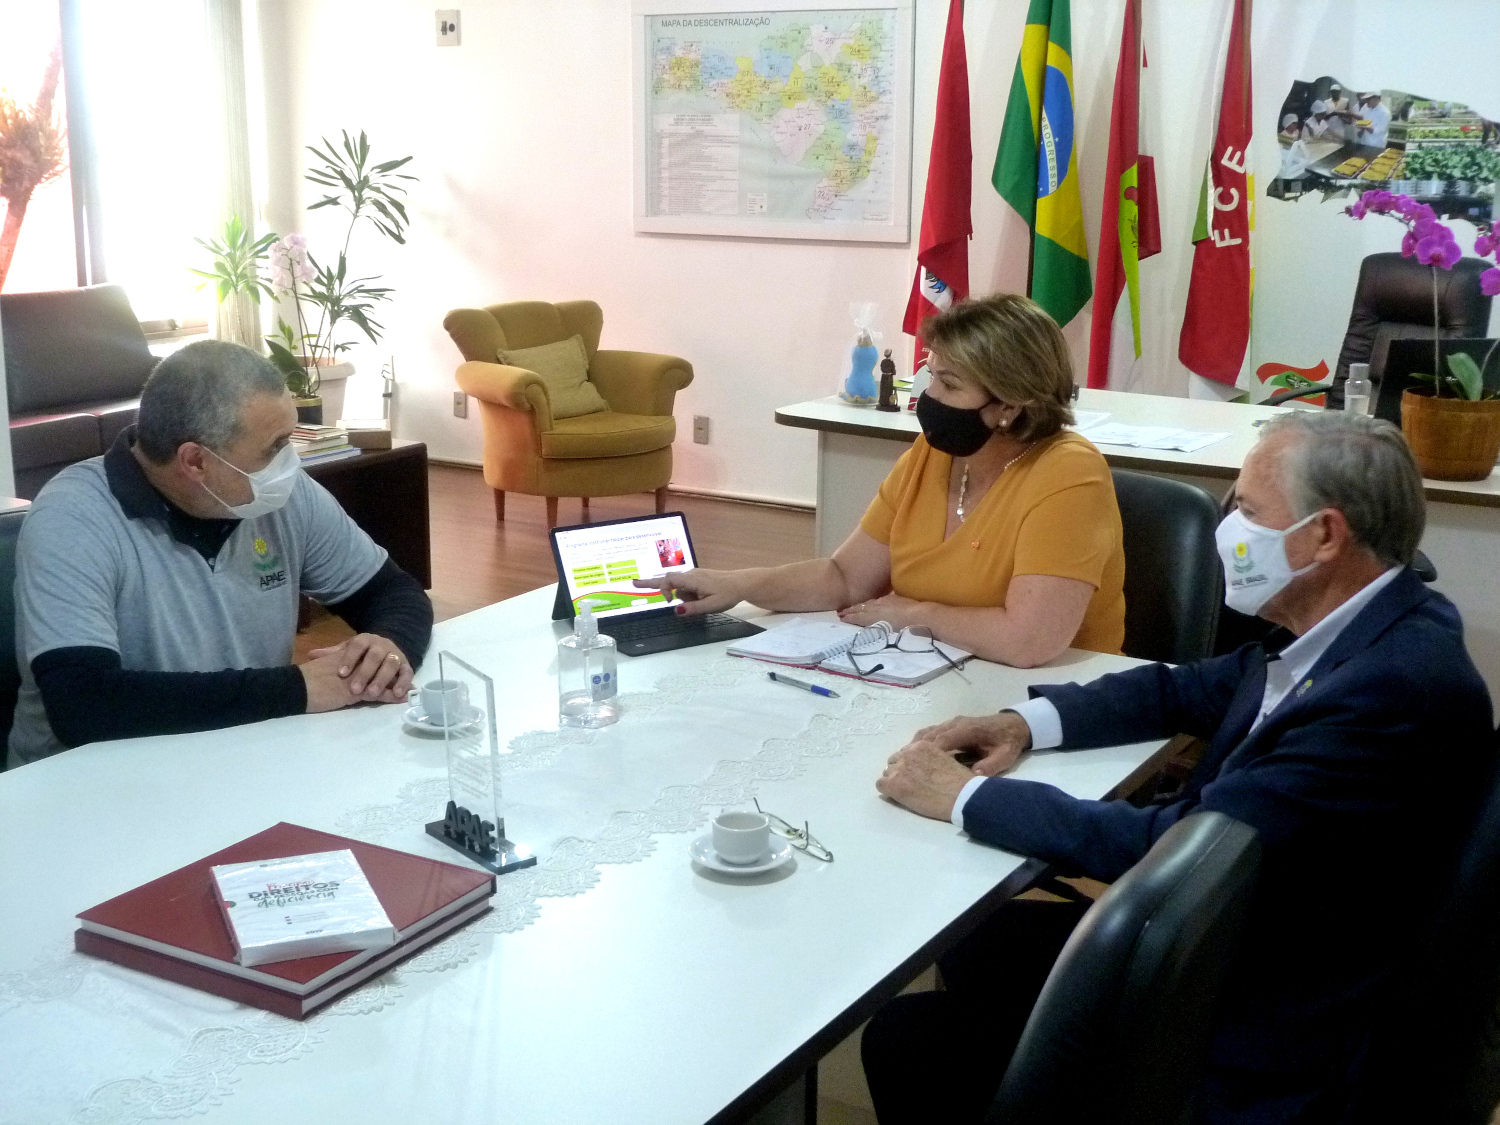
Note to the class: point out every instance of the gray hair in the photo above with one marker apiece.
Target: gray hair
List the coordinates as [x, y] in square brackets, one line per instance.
[197, 394]
[1361, 466]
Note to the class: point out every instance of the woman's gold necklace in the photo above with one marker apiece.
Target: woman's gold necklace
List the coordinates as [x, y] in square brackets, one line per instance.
[963, 483]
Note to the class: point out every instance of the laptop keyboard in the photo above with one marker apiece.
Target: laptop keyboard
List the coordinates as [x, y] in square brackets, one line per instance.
[660, 626]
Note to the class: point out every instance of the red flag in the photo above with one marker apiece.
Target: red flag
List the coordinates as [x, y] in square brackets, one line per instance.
[1216, 328]
[1129, 229]
[943, 248]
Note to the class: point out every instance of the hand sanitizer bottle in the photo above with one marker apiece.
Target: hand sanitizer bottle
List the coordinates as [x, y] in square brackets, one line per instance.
[1357, 389]
[586, 683]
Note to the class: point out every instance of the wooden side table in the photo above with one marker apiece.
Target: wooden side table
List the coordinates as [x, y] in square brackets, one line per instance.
[385, 492]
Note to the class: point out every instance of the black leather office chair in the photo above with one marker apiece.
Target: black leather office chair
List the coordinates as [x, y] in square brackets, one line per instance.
[1118, 1033]
[1393, 301]
[1434, 1053]
[1173, 581]
[10, 673]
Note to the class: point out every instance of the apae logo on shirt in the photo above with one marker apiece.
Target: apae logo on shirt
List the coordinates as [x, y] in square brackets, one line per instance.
[268, 566]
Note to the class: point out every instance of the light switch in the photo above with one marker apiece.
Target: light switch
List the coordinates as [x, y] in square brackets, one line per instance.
[447, 27]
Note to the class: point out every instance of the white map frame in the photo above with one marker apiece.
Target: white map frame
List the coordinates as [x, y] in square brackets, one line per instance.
[898, 230]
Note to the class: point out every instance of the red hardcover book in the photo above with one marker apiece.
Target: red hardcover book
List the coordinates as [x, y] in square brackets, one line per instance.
[172, 926]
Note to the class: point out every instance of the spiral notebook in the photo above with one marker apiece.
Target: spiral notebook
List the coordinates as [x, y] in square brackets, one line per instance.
[801, 643]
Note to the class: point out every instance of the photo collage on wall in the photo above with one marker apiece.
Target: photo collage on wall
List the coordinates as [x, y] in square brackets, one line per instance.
[1339, 141]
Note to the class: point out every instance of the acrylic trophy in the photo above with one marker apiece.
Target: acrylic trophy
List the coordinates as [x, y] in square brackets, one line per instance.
[472, 823]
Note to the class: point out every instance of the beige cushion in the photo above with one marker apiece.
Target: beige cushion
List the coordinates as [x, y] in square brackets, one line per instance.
[564, 367]
[608, 435]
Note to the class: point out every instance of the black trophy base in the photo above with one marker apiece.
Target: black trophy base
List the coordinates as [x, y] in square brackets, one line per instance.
[505, 858]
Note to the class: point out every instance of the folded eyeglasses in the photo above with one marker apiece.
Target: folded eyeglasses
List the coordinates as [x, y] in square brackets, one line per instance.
[880, 637]
[799, 838]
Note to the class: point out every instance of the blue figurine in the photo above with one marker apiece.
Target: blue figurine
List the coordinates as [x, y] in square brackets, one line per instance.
[859, 387]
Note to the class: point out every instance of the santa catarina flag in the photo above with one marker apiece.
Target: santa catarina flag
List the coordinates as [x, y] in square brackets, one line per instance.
[943, 248]
[1036, 165]
[1130, 229]
[1216, 328]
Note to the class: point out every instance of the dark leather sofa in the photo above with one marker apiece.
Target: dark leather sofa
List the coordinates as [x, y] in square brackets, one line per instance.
[75, 362]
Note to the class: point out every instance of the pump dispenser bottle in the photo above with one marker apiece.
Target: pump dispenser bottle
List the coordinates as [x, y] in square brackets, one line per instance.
[586, 683]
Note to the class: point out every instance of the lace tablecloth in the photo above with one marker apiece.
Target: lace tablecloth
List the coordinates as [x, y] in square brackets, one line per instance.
[85, 1041]
[176, 1051]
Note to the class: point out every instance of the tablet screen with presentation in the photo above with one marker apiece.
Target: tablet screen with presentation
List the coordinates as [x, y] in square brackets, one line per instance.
[601, 561]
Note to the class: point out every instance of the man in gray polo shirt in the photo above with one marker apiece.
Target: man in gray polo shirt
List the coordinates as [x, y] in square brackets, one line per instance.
[157, 586]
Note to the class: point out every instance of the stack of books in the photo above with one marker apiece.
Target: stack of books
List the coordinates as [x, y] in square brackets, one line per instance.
[175, 927]
[318, 444]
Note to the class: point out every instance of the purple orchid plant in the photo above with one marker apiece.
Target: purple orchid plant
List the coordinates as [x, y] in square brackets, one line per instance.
[1432, 244]
[1487, 245]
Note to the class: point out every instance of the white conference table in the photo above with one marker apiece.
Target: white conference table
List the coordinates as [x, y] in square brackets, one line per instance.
[616, 981]
[857, 446]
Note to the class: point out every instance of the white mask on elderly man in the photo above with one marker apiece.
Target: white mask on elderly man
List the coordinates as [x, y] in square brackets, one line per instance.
[270, 487]
[1256, 568]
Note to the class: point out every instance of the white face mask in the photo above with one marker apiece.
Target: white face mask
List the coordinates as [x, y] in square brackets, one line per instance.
[1255, 563]
[270, 487]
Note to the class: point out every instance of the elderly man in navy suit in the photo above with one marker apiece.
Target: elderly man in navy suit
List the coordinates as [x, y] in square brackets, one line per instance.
[1358, 751]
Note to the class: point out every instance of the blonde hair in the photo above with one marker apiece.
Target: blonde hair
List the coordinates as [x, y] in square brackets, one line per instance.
[1014, 350]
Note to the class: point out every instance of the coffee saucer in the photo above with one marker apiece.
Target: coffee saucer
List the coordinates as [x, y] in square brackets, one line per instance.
[416, 717]
[702, 851]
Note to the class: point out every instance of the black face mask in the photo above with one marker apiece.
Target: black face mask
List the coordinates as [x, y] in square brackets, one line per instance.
[951, 429]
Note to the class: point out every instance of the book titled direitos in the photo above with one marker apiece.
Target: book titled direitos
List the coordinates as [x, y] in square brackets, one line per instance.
[174, 926]
[301, 906]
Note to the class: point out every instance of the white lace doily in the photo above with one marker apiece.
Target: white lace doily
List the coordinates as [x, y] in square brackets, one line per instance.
[201, 1042]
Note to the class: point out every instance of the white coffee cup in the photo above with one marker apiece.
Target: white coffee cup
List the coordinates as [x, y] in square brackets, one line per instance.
[441, 698]
[741, 837]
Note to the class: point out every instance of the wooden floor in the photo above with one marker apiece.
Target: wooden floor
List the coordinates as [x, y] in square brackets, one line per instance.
[476, 562]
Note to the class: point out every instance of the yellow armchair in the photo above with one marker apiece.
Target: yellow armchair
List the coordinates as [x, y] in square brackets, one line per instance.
[627, 448]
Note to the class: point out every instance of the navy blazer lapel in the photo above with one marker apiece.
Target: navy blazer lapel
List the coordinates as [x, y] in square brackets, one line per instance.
[1404, 591]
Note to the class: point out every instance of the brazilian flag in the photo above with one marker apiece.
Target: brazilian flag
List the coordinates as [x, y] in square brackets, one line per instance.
[1036, 165]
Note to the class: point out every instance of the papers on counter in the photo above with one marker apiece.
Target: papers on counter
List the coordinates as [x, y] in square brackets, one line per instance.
[1147, 437]
[1083, 419]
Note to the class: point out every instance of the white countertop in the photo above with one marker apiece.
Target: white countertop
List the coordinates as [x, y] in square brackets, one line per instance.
[1222, 459]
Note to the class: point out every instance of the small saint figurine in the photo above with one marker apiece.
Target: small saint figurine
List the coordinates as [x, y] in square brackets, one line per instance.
[887, 383]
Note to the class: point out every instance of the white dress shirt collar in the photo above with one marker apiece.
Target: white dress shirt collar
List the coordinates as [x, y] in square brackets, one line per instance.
[1289, 669]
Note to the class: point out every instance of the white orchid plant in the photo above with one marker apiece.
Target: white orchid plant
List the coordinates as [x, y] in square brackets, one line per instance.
[323, 297]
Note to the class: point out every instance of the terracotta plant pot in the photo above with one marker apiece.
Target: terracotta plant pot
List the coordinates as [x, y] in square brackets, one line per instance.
[1451, 438]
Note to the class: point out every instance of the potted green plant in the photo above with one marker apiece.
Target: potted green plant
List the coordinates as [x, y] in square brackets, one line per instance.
[1454, 436]
[235, 268]
[324, 296]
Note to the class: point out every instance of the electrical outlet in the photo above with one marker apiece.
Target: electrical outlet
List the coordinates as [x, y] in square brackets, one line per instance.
[700, 428]
[447, 27]
[460, 404]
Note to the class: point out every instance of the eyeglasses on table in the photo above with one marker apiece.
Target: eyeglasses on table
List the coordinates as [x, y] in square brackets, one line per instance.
[880, 637]
[800, 838]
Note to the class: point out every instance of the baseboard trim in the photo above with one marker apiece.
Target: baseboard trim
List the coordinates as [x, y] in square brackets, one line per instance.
[744, 498]
[712, 493]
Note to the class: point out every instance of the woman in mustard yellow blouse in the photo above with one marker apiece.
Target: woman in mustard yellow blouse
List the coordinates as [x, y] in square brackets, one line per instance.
[998, 530]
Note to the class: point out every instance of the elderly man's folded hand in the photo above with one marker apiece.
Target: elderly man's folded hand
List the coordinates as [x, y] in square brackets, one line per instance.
[925, 778]
[993, 744]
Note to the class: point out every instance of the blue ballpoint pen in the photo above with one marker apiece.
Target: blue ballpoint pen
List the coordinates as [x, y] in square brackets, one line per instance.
[814, 688]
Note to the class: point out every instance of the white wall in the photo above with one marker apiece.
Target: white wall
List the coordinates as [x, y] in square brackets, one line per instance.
[523, 143]
[7, 471]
